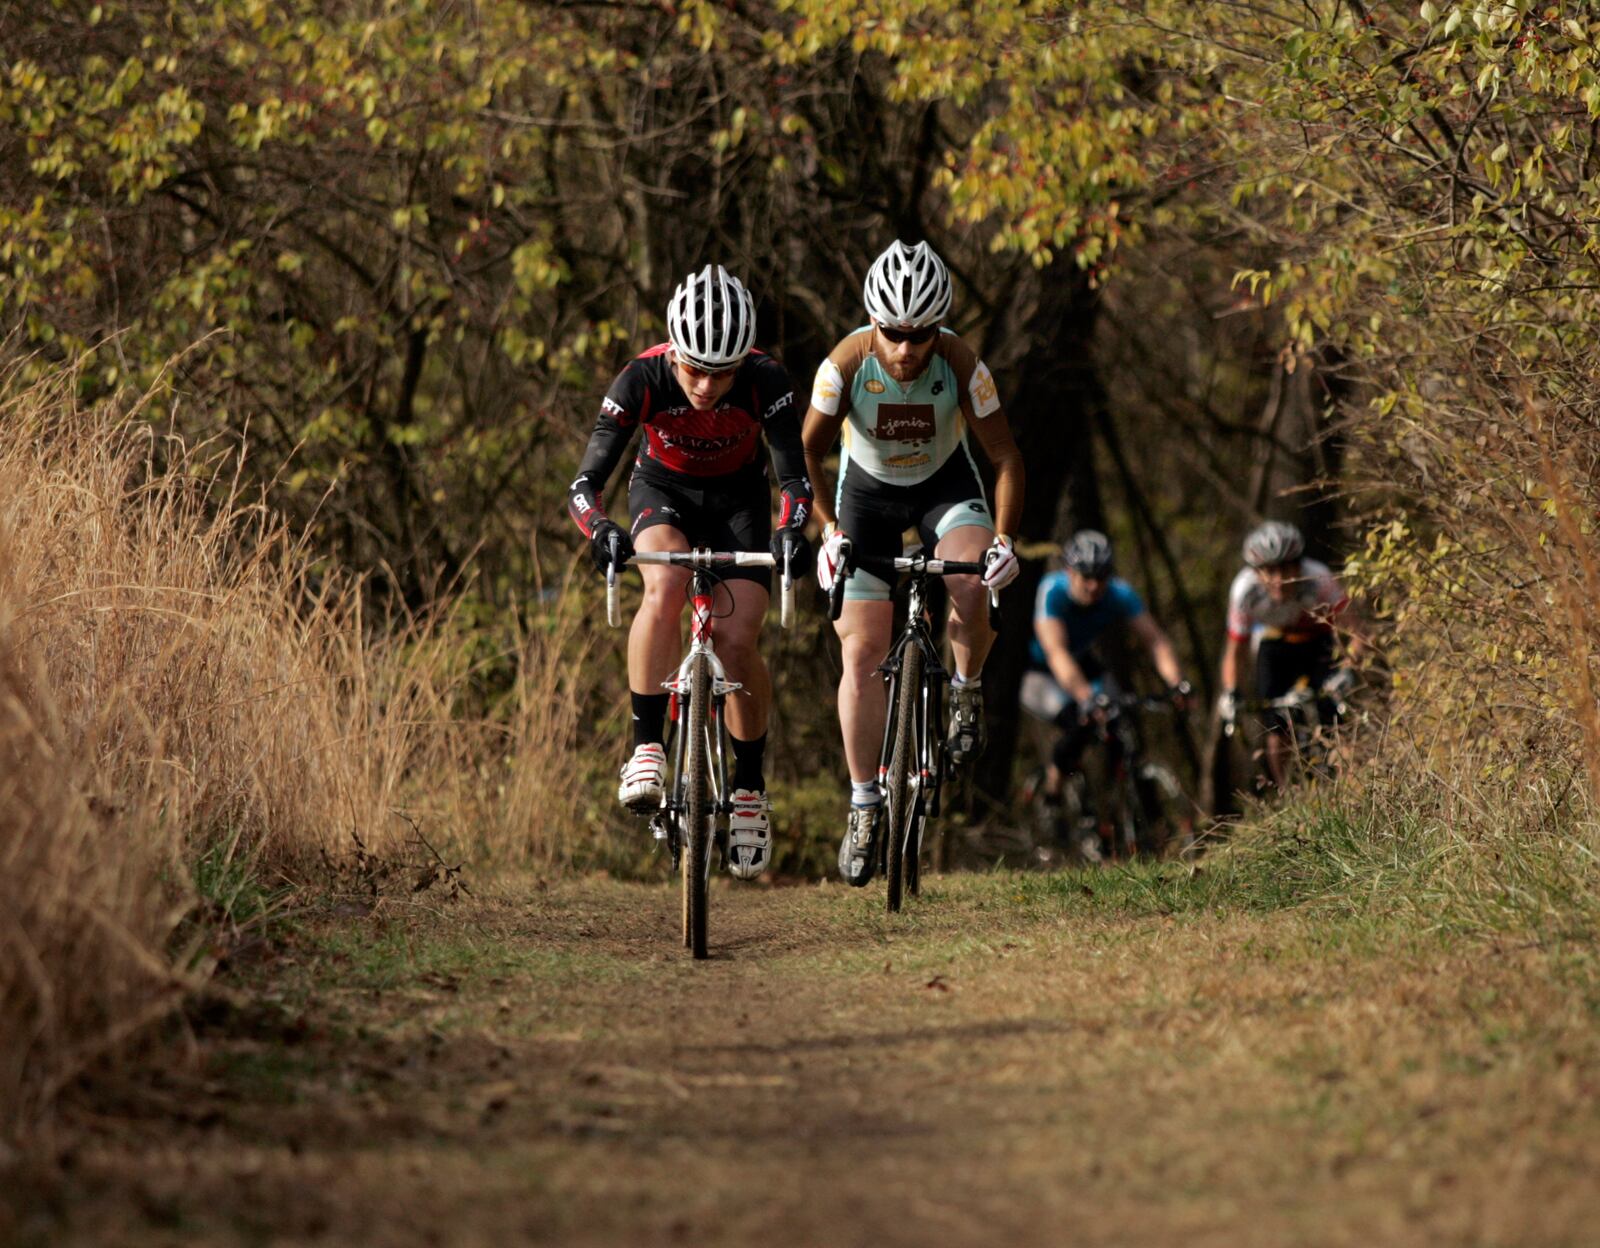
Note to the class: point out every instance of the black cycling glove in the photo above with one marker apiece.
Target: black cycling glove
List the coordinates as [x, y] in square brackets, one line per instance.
[609, 540]
[792, 541]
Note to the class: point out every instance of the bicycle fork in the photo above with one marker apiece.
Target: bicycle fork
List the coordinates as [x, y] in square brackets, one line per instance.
[678, 687]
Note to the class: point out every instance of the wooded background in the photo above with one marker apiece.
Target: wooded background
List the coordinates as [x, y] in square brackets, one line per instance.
[1330, 261]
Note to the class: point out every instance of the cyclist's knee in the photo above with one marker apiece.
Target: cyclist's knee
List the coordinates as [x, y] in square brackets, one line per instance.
[663, 599]
[738, 646]
[860, 658]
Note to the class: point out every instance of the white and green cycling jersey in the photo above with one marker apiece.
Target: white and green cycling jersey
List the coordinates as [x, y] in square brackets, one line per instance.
[903, 434]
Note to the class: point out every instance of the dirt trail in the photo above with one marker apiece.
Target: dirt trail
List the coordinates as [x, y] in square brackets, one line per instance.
[1014, 1062]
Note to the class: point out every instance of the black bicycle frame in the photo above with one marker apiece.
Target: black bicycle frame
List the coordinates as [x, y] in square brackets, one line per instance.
[929, 727]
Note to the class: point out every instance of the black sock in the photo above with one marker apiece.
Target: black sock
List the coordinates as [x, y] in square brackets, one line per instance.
[649, 718]
[747, 759]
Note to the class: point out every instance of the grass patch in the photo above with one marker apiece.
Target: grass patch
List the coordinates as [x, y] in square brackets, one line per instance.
[382, 955]
[1370, 852]
[270, 1075]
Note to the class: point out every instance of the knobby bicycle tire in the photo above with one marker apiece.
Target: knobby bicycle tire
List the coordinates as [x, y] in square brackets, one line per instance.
[697, 814]
[902, 760]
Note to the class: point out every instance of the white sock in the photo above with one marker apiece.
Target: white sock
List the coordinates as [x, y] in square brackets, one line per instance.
[974, 681]
[866, 793]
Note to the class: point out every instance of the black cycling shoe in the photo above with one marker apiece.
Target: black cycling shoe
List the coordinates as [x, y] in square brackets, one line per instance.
[858, 852]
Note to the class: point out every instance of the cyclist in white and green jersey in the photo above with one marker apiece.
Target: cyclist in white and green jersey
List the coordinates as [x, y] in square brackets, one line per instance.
[906, 393]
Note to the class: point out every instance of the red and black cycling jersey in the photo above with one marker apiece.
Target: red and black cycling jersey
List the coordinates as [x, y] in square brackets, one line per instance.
[683, 444]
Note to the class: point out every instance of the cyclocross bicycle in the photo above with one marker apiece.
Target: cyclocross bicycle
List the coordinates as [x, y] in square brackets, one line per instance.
[696, 800]
[1137, 807]
[1312, 717]
[912, 765]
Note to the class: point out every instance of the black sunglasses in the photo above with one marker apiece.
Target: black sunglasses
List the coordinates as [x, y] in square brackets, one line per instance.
[917, 336]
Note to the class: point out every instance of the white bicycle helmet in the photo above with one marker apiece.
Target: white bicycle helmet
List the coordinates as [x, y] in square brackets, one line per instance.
[1273, 542]
[1089, 553]
[907, 287]
[711, 321]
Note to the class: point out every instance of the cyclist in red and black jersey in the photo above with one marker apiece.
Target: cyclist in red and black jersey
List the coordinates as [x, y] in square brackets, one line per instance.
[705, 400]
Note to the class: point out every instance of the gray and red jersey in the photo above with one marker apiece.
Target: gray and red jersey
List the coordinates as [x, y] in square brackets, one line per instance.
[1307, 612]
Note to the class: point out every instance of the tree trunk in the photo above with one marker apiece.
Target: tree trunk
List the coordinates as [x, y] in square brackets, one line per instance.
[1053, 406]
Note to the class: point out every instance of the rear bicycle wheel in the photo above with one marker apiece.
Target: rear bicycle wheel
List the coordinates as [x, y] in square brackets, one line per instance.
[697, 808]
[902, 762]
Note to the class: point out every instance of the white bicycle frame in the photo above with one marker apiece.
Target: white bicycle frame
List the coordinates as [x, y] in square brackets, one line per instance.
[701, 644]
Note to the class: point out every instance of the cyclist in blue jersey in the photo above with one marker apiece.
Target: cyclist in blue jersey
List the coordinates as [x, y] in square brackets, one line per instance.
[1074, 608]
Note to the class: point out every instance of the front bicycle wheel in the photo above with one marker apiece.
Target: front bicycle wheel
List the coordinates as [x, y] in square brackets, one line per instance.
[1127, 817]
[899, 816]
[697, 807]
[1161, 801]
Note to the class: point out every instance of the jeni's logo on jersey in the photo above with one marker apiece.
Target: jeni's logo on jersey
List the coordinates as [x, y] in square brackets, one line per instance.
[873, 386]
[904, 422]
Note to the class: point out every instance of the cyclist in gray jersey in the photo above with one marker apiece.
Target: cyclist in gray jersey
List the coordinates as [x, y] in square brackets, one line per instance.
[1286, 607]
[906, 393]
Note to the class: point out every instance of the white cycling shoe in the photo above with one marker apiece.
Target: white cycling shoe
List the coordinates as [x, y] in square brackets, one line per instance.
[640, 789]
[749, 833]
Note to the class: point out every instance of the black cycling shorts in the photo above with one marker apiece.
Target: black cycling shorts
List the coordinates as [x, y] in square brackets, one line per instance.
[1281, 665]
[876, 514]
[724, 513]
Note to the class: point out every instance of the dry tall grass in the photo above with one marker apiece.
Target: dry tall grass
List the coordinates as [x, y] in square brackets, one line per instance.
[180, 682]
[1488, 580]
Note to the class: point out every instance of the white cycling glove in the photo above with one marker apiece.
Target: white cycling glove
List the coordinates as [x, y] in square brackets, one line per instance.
[1339, 682]
[1000, 563]
[835, 549]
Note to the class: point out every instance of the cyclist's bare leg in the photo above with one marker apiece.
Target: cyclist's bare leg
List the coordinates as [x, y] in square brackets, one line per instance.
[655, 641]
[737, 637]
[970, 634]
[864, 629]
[1277, 757]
